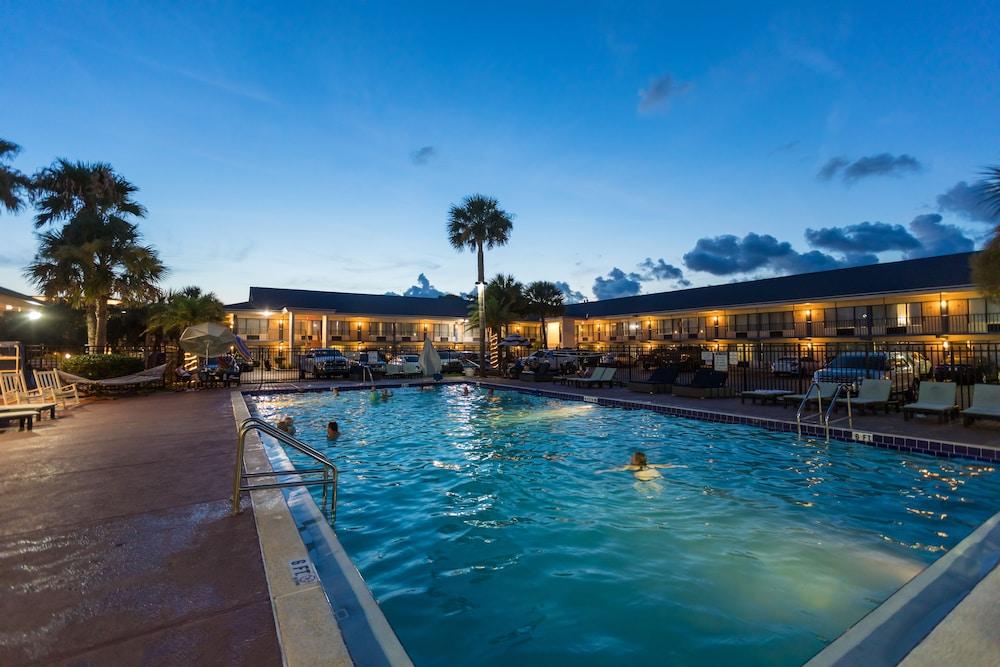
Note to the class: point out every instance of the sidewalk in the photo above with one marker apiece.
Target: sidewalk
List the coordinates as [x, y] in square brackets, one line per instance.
[116, 544]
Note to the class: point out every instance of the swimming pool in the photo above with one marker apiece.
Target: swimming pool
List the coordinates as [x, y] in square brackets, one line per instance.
[487, 536]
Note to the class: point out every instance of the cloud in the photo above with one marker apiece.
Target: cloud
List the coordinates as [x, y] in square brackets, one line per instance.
[660, 89]
[617, 284]
[728, 255]
[810, 56]
[862, 238]
[784, 147]
[968, 201]
[883, 164]
[570, 294]
[660, 270]
[423, 155]
[423, 288]
[937, 238]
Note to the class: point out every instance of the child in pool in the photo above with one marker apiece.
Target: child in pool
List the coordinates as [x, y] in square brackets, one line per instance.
[332, 430]
[641, 469]
[286, 424]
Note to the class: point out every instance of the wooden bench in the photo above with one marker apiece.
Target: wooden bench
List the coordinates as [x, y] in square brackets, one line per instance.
[21, 416]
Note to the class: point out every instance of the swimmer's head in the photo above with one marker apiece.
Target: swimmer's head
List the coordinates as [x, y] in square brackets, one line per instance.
[638, 459]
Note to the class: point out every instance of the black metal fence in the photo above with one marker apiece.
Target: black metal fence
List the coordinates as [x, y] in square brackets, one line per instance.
[791, 366]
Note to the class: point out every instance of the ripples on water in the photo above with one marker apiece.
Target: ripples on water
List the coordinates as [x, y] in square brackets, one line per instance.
[487, 537]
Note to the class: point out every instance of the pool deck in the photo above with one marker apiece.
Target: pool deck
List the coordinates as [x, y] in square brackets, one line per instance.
[116, 544]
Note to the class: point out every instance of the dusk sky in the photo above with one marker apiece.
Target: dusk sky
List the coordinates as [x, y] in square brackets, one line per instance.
[641, 147]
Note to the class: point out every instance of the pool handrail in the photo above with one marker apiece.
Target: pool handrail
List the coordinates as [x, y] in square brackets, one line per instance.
[328, 469]
[846, 388]
[805, 401]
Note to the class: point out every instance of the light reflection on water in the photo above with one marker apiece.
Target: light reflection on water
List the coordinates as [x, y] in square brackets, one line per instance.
[487, 537]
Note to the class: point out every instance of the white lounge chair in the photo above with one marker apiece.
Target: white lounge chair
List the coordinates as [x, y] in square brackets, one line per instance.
[985, 404]
[16, 395]
[935, 398]
[826, 392]
[600, 375]
[874, 394]
[65, 393]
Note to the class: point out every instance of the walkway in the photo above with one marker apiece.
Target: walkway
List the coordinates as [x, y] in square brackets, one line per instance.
[116, 546]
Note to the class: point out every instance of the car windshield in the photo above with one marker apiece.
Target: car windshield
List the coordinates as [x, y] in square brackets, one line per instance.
[328, 353]
[857, 361]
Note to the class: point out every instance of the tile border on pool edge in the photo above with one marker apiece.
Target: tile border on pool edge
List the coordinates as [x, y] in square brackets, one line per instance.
[939, 448]
[335, 620]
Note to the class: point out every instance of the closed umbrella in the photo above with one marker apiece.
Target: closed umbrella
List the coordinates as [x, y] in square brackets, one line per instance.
[208, 338]
[430, 360]
[515, 340]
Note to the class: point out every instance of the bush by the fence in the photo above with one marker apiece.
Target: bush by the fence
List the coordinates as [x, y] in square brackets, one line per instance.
[101, 366]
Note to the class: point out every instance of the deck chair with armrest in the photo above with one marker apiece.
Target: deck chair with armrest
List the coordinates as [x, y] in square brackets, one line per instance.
[706, 383]
[65, 393]
[659, 382]
[985, 404]
[600, 376]
[16, 394]
[934, 398]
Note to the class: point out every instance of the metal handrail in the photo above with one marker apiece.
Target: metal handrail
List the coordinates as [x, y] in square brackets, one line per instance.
[805, 401]
[370, 375]
[328, 469]
[833, 404]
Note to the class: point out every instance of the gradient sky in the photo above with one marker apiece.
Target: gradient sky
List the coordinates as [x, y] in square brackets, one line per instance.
[320, 147]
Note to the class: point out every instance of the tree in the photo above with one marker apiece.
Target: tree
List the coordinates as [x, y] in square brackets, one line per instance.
[504, 303]
[14, 186]
[479, 222]
[97, 255]
[986, 265]
[182, 309]
[544, 300]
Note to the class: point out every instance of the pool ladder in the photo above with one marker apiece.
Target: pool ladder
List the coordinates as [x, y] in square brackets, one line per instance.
[824, 417]
[241, 480]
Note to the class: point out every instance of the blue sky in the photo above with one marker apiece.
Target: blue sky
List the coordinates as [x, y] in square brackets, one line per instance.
[320, 147]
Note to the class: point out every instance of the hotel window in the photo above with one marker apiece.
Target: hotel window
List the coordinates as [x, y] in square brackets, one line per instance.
[778, 321]
[257, 327]
[380, 328]
[441, 330]
[740, 323]
[585, 331]
[308, 328]
[531, 331]
[341, 328]
[408, 329]
[663, 326]
[618, 329]
[984, 315]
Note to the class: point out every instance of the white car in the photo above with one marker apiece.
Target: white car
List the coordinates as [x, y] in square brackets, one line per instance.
[324, 363]
[796, 366]
[409, 363]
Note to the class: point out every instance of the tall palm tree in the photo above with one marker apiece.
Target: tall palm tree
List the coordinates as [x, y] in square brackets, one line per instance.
[504, 303]
[183, 308]
[479, 223]
[544, 300]
[97, 255]
[14, 186]
[986, 265]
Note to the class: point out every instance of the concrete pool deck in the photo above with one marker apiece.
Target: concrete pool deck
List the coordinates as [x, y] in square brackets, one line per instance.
[116, 543]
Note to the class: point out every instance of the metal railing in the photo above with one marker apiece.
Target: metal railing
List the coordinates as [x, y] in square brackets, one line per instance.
[804, 402]
[846, 389]
[241, 480]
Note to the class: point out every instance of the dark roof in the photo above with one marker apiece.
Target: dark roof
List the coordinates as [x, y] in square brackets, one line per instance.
[272, 298]
[929, 273]
[17, 295]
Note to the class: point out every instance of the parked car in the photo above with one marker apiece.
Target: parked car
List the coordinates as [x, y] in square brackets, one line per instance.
[410, 363]
[794, 366]
[855, 367]
[566, 360]
[323, 363]
[451, 361]
[968, 372]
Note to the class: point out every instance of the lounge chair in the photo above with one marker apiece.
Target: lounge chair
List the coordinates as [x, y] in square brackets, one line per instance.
[542, 372]
[985, 404]
[64, 393]
[16, 392]
[22, 417]
[935, 398]
[826, 392]
[706, 383]
[588, 373]
[660, 381]
[601, 375]
[874, 394]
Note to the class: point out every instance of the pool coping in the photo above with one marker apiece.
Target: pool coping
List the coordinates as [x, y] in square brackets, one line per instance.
[323, 610]
[883, 636]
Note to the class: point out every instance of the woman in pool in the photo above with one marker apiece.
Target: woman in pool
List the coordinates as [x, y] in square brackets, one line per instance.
[332, 430]
[641, 469]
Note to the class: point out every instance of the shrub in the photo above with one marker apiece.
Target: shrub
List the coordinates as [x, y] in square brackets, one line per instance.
[102, 366]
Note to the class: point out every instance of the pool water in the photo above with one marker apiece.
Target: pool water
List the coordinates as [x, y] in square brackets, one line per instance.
[488, 536]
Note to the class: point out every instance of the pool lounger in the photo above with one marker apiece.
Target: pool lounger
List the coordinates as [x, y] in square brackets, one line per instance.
[874, 394]
[21, 416]
[935, 398]
[985, 404]
[826, 392]
[600, 376]
[660, 381]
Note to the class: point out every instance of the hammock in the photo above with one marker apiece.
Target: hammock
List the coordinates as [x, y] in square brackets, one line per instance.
[147, 376]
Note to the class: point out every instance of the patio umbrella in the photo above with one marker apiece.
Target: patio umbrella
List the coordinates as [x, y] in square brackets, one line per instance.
[515, 340]
[242, 348]
[207, 338]
[430, 360]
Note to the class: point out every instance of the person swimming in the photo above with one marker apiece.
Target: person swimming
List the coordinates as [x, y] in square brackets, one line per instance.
[332, 430]
[465, 390]
[641, 468]
[386, 394]
[286, 424]
[336, 391]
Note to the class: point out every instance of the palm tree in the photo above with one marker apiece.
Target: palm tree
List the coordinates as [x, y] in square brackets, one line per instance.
[504, 303]
[182, 309]
[97, 255]
[544, 300]
[479, 222]
[14, 186]
[986, 265]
